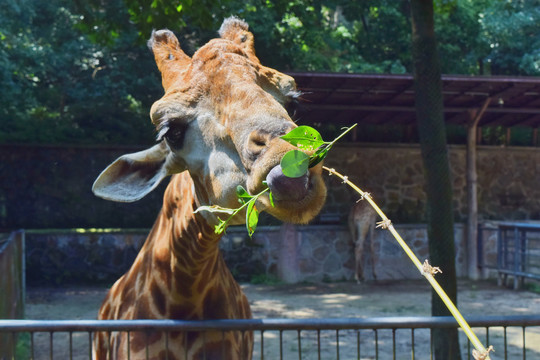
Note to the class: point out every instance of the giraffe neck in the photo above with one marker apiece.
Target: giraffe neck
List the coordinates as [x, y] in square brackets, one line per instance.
[185, 237]
[183, 249]
[178, 274]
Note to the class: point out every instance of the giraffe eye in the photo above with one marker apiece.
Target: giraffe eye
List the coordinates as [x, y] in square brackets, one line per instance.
[162, 130]
[173, 133]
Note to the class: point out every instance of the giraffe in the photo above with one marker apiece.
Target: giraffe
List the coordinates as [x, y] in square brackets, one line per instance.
[218, 126]
[361, 221]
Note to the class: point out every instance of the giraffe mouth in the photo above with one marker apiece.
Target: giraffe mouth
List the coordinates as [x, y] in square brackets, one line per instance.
[296, 200]
[285, 188]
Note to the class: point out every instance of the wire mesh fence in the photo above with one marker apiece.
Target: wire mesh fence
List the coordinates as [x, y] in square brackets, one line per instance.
[514, 337]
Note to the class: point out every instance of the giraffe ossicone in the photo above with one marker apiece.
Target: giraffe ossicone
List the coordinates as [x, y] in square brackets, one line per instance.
[219, 124]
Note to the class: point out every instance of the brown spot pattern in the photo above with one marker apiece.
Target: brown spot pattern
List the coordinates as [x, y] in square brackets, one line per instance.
[179, 273]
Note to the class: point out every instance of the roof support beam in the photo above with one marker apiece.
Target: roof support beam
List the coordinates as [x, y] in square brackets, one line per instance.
[387, 107]
[472, 191]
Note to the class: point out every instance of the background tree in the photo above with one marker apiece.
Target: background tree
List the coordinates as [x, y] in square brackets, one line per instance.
[431, 128]
[60, 86]
[512, 33]
[80, 72]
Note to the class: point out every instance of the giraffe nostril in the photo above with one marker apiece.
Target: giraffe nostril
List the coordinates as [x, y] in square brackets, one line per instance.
[257, 143]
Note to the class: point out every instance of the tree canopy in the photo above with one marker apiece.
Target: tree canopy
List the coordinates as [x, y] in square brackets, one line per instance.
[80, 72]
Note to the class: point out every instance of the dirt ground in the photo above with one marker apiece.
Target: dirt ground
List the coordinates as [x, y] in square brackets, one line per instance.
[332, 300]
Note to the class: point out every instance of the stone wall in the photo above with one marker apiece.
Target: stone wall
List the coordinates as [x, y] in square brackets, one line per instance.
[508, 180]
[326, 253]
[80, 257]
[50, 186]
[290, 253]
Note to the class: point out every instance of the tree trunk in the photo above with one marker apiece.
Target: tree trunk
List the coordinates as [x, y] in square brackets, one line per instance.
[432, 134]
[472, 201]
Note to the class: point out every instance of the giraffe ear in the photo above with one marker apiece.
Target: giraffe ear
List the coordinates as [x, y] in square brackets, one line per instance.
[133, 176]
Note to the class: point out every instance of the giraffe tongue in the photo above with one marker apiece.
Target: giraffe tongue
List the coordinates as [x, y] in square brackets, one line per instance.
[286, 188]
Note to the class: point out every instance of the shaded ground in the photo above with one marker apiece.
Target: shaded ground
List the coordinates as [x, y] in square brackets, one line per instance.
[334, 300]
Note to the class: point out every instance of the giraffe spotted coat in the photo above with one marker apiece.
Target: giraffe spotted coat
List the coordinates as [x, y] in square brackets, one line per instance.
[219, 125]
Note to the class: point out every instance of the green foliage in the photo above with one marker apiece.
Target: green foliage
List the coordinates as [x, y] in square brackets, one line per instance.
[512, 31]
[22, 349]
[324, 36]
[252, 218]
[342, 36]
[79, 72]
[63, 87]
[308, 139]
[265, 279]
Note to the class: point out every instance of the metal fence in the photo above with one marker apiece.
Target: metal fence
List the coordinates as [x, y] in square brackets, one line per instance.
[513, 337]
[518, 252]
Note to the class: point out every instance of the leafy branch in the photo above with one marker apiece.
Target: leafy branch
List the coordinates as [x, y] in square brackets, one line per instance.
[248, 201]
[294, 163]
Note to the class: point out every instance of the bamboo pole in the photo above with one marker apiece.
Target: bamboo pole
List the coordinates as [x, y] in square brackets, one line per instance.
[480, 352]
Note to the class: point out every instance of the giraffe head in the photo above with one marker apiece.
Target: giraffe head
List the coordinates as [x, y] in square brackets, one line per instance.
[221, 119]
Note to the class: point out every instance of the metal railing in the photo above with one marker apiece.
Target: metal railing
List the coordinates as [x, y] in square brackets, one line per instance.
[513, 337]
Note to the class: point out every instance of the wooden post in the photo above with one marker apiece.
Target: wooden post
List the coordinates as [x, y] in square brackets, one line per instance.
[472, 192]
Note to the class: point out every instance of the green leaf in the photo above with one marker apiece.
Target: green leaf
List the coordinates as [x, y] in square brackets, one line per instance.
[304, 137]
[219, 228]
[252, 218]
[295, 163]
[271, 198]
[318, 156]
[242, 194]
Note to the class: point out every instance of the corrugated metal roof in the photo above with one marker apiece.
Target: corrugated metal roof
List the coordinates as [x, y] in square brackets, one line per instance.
[389, 99]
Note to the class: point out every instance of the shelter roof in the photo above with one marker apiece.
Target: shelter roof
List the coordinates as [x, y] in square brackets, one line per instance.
[389, 99]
